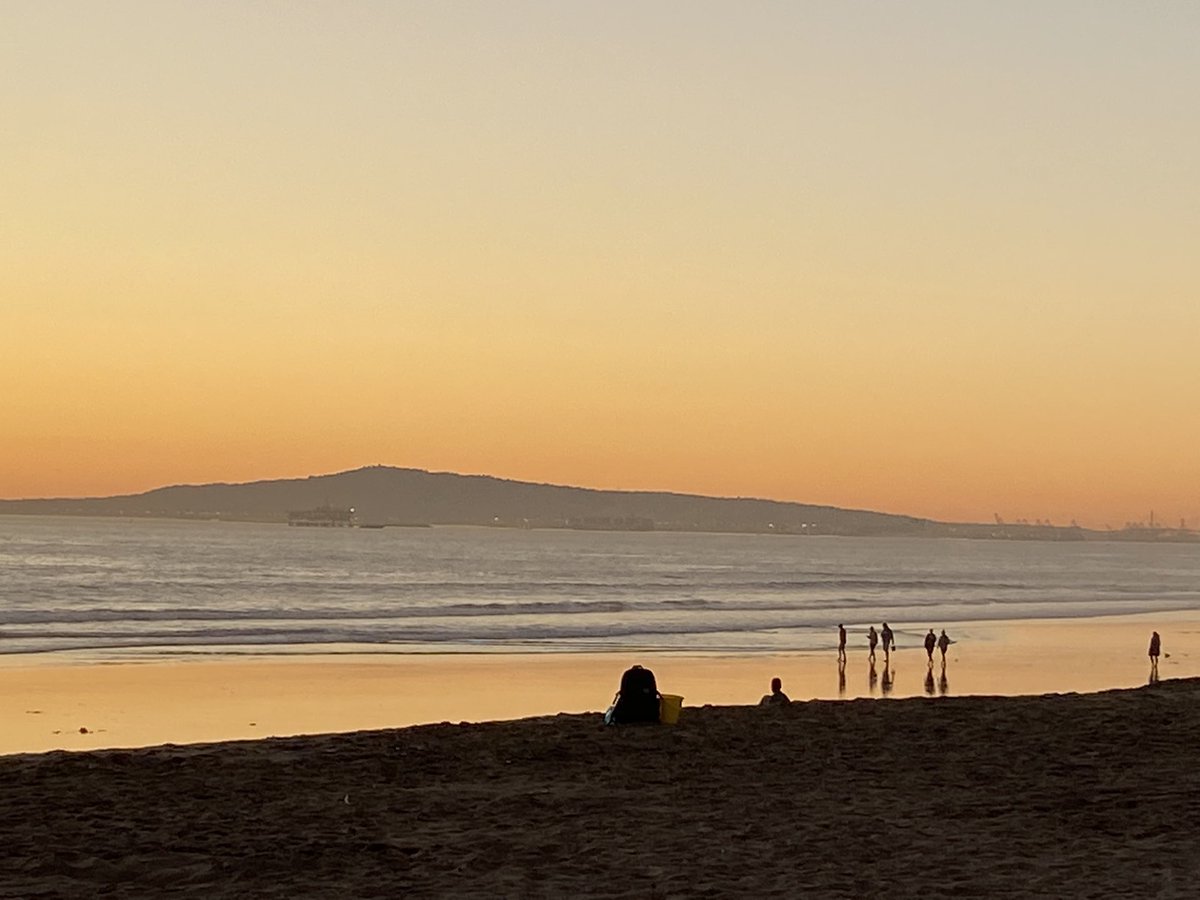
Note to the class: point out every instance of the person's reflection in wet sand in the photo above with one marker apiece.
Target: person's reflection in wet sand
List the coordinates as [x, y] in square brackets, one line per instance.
[929, 681]
[943, 682]
[872, 677]
[886, 681]
[842, 677]
[1153, 675]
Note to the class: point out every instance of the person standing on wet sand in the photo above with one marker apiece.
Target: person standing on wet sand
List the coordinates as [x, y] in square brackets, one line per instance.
[889, 640]
[1155, 649]
[841, 642]
[930, 643]
[872, 640]
[942, 642]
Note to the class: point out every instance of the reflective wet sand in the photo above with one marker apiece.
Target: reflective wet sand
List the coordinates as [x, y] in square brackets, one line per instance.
[45, 702]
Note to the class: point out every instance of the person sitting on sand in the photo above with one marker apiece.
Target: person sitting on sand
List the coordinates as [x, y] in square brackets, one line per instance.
[776, 696]
[889, 640]
[841, 642]
[872, 640]
[942, 642]
[930, 643]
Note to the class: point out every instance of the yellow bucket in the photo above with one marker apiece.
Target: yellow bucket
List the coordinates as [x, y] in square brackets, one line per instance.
[669, 707]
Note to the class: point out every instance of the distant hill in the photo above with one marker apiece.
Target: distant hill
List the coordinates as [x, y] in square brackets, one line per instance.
[383, 495]
[392, 496]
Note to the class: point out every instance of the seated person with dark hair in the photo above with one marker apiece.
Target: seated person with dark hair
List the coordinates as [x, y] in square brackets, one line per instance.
[776, 696]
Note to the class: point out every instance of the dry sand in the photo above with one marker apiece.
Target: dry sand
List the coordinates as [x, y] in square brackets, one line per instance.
[1058, 796]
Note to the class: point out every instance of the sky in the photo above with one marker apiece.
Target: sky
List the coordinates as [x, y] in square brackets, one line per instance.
[934, 258]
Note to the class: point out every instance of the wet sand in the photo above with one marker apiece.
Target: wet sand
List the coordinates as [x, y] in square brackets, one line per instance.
[1058, 796]
[44, 702]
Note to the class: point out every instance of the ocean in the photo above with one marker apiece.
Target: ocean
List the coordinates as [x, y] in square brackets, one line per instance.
[145, 587]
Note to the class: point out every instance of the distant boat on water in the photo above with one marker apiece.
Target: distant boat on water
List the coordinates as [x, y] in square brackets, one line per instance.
[322, 517]
[378, 525]
[340, 517]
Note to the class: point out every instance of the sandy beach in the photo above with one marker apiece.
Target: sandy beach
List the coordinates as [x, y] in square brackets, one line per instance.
[1056, 796]
[62, 702]
[916, 791]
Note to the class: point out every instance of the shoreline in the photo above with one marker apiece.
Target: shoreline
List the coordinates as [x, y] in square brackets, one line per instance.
[931, 529]
[1080, 795]
[208, 699]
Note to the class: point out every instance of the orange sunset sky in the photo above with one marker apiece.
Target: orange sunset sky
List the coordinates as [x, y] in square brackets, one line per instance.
[936, 258]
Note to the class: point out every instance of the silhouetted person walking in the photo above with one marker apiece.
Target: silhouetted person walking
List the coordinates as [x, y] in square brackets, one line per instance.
[942, 643]
[930, 643]
[841, 642]
[872, 640]
[889, 640]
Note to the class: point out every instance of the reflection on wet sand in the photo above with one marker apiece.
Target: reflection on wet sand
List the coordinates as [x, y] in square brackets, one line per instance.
[887, 680]
[842, 676]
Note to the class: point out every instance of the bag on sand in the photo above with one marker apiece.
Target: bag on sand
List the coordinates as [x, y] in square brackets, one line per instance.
[638, 699]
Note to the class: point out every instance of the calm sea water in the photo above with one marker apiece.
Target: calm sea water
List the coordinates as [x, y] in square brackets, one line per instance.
[131, 587]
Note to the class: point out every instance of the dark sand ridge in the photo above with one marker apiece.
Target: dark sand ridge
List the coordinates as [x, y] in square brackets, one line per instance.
[1056, 796]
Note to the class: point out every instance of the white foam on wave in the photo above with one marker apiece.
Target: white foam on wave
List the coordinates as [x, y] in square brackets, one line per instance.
[198, 585]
